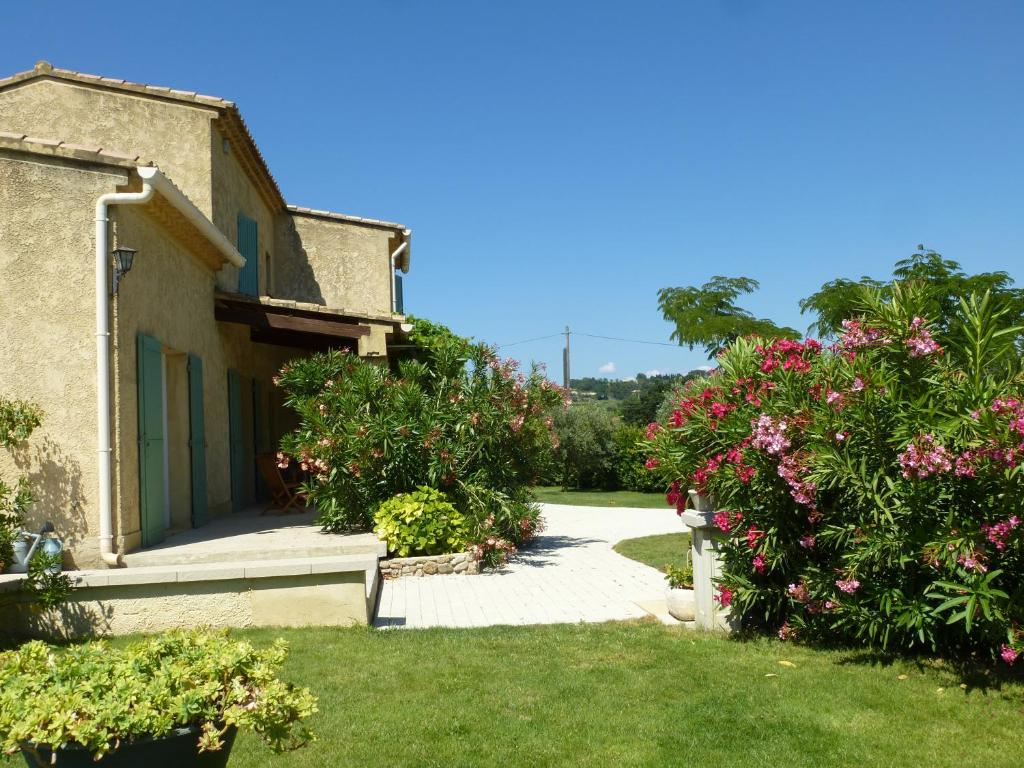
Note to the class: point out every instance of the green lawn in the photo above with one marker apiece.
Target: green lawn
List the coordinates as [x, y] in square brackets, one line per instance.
[657, 551]
[552, 494]
[629, 694]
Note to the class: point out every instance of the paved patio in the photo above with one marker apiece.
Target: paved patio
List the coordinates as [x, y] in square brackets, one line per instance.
[569, 574]
[250, 535]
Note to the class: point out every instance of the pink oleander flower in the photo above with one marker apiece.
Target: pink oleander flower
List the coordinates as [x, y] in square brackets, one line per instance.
[858, 384]
[673, 496]
[723, 596]
[807, 542]
[920, 341]
[652, 429]
[799, 592]
[857, 336]
[1008, 654]
[999, 533]
[841, 436]
[803, 491]
[849, 586]
[652, 463]
[925, 457]
[769, 436]
[759, 563]
[786, 632]
[753, 537]
[723, 522]
[745, 473]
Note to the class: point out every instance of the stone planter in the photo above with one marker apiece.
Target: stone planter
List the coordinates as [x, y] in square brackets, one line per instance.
[429, 565]
[701, 503]
[180, 749]
[681, 603]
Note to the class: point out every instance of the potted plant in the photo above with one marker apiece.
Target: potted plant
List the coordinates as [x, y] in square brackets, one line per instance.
[176, 699]
[679, 595]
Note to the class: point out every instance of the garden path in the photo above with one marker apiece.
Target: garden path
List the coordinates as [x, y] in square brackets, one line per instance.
[568, 574]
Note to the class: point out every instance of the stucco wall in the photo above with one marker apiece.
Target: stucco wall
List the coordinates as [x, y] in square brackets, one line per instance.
[174, 136]
[47, 341]
[169, 295]
[326, 599]
[334, 263]
[234, 193]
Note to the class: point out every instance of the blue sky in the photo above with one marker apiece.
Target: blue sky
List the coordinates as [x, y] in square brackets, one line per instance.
[559, 162]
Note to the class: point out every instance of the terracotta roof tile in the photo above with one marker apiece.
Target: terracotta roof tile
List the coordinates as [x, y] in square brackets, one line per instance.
[228, 108]
[35, 144]
[346, 217]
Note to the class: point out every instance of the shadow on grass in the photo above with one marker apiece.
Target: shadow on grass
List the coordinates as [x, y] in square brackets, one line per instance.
[970, 673]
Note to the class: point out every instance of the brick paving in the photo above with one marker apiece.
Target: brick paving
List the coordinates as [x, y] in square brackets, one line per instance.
[569, 574]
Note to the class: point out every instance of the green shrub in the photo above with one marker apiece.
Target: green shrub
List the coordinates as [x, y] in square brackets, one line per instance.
[503, 522]
[422, 522]
[679, 576]
[458, 419]
[99, 696]
[631, 455]
[18, 420]
[872, 491]
[586, 453]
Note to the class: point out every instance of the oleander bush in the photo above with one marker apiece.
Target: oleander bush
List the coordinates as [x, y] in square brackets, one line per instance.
[457, 419]
[102, 697]
[868, 491]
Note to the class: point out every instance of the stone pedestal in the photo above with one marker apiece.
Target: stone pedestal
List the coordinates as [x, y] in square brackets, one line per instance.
[706, 548]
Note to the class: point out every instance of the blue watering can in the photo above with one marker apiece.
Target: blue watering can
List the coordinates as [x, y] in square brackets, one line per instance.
[25, 545]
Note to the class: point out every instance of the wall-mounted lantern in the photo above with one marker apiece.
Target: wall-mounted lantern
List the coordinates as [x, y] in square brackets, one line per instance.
[123, 259]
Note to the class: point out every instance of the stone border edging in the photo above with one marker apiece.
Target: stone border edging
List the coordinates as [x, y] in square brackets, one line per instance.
[429, 565]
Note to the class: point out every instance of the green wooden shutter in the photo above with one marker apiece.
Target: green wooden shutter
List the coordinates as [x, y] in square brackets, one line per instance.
[197, 441]
[235, 441]
[399, 296]
[151, 440]
[248, 246]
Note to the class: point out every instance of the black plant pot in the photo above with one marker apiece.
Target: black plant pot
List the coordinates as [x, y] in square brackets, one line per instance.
[178, 750]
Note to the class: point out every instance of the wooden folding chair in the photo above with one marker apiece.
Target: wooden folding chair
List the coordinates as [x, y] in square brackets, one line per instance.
[285, 495]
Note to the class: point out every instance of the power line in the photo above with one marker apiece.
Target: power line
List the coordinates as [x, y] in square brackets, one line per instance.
[591, 336]
[630, 341]
[527, 341]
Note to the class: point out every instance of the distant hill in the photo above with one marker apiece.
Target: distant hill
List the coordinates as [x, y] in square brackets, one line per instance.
[620, 389]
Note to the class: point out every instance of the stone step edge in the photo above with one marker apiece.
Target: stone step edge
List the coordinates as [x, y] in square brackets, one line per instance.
[220, 571]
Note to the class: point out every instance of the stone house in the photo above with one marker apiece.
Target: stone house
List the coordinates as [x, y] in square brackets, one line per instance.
[157, 386]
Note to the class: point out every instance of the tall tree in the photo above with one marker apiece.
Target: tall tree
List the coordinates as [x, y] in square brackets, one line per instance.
[943, 281]
[709, 316]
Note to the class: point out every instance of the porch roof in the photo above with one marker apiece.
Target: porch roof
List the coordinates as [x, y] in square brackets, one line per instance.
[296, 324]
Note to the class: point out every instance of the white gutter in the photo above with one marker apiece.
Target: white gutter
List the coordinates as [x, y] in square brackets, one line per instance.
[195, 217]
[152, 181]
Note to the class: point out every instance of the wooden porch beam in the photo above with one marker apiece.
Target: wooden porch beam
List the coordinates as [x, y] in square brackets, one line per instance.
[280, 322]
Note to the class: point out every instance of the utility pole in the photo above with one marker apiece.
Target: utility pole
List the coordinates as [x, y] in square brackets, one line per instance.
[566, 380]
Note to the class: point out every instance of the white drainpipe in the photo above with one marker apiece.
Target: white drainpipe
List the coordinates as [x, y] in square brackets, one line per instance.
[152, 179]
[103, 359]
